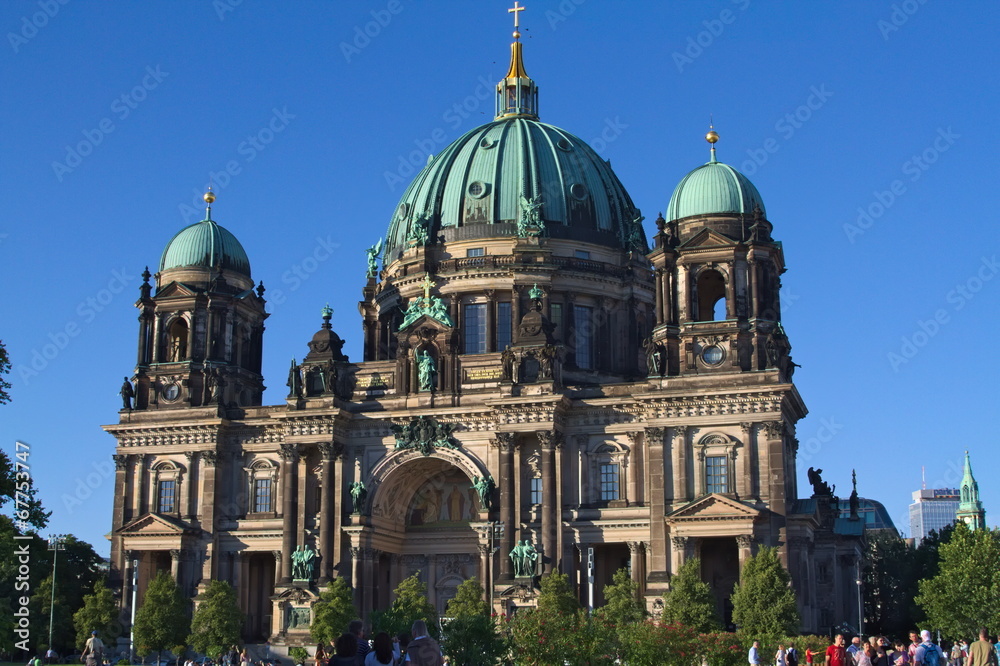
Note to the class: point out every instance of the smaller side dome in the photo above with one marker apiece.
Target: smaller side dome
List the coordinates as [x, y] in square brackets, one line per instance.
[205, 244]
[711, 189]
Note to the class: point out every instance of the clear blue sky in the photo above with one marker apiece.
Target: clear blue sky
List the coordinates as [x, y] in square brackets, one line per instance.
[116, 113]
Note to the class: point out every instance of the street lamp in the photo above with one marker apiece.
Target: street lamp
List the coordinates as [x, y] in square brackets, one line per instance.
[861, 608]
[56, 543]
[493, 530]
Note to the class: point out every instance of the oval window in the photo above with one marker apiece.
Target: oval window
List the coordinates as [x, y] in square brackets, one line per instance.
[477, 189]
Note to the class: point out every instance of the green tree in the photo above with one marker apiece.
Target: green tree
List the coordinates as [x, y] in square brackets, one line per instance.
[217, 622]
[556, 595]
[621, 601]
[690, 601]
[763, 601]
[409, 606]
[884, 574]
[333, 612]
[468, 600]
[965, 594]
[162, 620]
[4, 369]
[61, 620]
[472, 637]
[98, 613]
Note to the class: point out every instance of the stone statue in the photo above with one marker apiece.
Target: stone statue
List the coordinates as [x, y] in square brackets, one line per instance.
[820, 487]
[855, 501]
[546, 355]
[426, 371]
[507, 361]
[358, 495]
[213, 387]
[523, 558]
[484, 486]
[176, 349]
[373, 252]
[420, 231]
[654, 357]
[127, 394]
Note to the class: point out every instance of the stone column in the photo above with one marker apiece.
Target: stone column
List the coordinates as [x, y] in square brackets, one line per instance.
[185, 507]
[138, 485]
[680, 457]
[118, 518]
[356, 574]
[684, 294]
[634, 468]
[484, 565]
[656, 498]
[368, 557]
[289, 500]
[772, 447]
[506, 444]
[547, 440]
[175, 567]
[328, 451]
[207, 515]
[635, 561]
[660, 312]
[745, 544]
[679, 544]
[754, 297]
[668, 297]
[491, 318]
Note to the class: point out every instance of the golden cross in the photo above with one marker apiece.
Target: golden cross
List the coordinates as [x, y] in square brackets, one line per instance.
[427, 286]
[515, 13]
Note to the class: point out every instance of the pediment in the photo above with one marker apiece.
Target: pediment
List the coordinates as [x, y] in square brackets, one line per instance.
[715, 507]
[707, 238]
[153, 524]
[175, 290]
[425, 321]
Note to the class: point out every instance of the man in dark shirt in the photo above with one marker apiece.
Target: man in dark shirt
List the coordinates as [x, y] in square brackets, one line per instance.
[357, 629]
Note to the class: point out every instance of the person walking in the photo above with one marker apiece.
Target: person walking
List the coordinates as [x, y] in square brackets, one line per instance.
[928, 654]
[779, 656]
[423, 650]
[93, 651]
[914, 644]
[854, 648]
[810, 655]
[955, 659]
[836, 654]
[981, 653]
[753, 657]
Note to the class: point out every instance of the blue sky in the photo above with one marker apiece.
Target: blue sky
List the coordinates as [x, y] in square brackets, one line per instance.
[866, 126]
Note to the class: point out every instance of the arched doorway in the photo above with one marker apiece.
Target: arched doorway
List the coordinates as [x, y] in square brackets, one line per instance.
[424, 515]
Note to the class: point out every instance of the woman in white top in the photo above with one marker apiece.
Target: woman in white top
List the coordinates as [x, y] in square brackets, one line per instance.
[382, 653]
[779, 656]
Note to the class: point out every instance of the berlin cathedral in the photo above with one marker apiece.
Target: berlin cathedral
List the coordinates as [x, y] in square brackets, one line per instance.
[544, 388]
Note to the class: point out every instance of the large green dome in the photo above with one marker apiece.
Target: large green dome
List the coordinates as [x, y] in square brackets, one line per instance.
[477, 188]
[714, 188]
[205, 244]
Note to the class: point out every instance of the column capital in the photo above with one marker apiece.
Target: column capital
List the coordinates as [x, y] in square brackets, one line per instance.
[773, 429]
[330, 450]
[191, 455]
[655, 436]
[680, 431]
[634, 546]
[121, 462]
[549, 438]
[210, 458]
[746, 427]
[679, 542]
[505, 441]
[744, 540]
[289, 452]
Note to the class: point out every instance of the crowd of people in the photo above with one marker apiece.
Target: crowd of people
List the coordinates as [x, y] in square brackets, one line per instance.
[353, 648]
[880, 651]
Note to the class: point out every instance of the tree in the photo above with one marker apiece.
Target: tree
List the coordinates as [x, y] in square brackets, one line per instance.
[162, 621]
[965, 594]
[884, 576]
[763, 601]
[621, 600]
[409, 606]
[217, 622]
[556, 595]
[61, 619]
[4, 369]
[333, 612]
[690, 601]
[468, 600]
[98, 613]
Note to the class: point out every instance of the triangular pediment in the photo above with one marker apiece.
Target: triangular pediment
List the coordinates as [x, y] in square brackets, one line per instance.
[715, 507]
[707, 238]
[153, 524]
[175, 290]
[425, 321]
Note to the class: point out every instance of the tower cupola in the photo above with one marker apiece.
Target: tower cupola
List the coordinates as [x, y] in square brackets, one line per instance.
[517, 94]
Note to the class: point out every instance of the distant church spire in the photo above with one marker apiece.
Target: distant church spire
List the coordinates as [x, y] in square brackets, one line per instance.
[970, 509]
[517, 94]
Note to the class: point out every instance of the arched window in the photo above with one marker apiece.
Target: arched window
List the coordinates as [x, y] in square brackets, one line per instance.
[262, 478]
[711, 304]
[177, 337]
[167, 481]
[717, 453]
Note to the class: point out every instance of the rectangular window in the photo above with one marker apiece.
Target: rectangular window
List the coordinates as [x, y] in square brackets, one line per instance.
[475, 252]
[609, 481]
[165, 501]
[536, 490]
[503, 326]
[556, 317]
[717, 474]
[474, 327]
[581, 254]
[262, 495]
[583, 336]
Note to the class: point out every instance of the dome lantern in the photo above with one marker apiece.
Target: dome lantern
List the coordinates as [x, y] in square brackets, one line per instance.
[517, 94]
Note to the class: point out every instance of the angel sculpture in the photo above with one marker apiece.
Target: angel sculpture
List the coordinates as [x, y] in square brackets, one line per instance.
[373, 252]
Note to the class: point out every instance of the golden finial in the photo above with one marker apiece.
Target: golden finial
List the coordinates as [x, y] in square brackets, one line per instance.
[209, 196]
[517, 24]
[712, 137]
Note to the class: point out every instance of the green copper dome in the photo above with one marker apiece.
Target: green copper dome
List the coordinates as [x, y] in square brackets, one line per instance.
[488, 180]
[714, 188]
[205, 244]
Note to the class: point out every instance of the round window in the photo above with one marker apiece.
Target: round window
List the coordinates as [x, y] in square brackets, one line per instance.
[713, 355]
[478, 189]
[487, 143]
[578, 190]
[404, 208]
[564, 144]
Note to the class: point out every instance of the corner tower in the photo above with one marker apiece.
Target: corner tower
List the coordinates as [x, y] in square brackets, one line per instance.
[201, 329]
[970, 508]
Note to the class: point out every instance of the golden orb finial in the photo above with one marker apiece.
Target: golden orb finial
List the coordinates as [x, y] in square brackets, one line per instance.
[517, 35]
[209, 197]
[712, 136]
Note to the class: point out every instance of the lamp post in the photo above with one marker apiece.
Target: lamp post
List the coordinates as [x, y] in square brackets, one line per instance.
[861, 607]
[56, 543]
[131, 631]
[493, 530]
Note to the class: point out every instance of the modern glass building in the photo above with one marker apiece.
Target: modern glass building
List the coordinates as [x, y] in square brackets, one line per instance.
[932, 510]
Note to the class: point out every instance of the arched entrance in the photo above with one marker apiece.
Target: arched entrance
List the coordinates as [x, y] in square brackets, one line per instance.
[423, 517]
